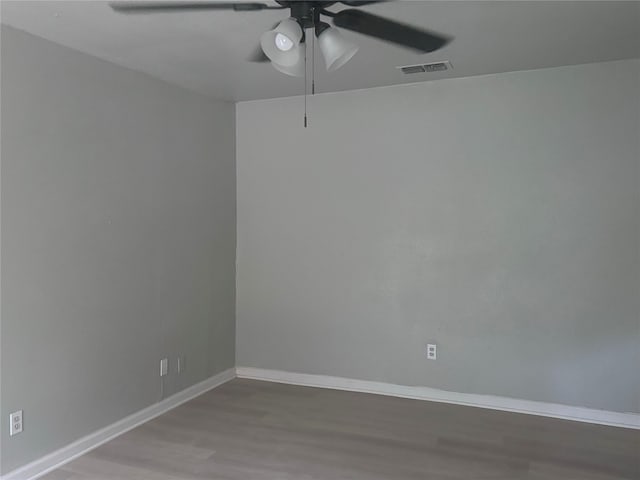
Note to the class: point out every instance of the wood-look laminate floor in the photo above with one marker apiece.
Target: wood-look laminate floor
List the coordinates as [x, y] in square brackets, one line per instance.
[247, 430]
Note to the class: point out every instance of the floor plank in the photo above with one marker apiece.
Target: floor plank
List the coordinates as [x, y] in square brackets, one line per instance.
[247, 429]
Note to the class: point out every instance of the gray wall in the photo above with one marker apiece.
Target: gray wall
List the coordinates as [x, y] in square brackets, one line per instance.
[498, 216]
[118, 241]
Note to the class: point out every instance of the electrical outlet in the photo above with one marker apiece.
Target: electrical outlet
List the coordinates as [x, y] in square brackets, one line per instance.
[164, 367]
[15, 423]
[432, 351]
[180, 366]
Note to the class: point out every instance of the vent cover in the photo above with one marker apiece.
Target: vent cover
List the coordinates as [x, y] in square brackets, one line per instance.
[426, 68]
[409, 69]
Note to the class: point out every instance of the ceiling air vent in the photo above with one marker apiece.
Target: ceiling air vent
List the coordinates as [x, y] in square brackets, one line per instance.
[426, 68]
[409, 69]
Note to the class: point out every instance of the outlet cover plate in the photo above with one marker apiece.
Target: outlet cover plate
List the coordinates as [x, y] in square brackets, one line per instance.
[15, 423]
[180, 364]
[164, 367]
[432, 351]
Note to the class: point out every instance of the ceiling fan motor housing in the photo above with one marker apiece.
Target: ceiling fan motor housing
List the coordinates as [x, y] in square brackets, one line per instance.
[307, 13]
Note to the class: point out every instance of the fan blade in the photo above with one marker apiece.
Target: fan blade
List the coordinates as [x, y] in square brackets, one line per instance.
[389, 30]
[359, 3]
[258, 56]
[164, 7]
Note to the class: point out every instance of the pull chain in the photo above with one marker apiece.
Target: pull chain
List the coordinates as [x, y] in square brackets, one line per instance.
[305, 84]
[313, 64]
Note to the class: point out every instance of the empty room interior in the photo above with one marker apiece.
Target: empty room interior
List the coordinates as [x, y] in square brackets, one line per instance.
[320, 240]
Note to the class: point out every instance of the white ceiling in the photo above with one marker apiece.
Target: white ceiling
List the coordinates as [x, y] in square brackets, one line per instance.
[206, 51]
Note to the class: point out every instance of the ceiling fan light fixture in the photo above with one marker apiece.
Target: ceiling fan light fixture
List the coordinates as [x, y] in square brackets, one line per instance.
[295, 70]
[281, 44]
[335, 49]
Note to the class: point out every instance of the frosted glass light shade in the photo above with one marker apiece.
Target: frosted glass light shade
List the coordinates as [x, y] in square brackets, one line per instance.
[335, 49]
[295, 70]
[290, 29]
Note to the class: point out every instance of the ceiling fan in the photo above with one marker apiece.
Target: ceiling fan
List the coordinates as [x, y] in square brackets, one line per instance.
[283, 46]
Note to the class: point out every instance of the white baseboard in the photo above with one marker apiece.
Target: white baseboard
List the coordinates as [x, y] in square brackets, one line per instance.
[58, 458]
[554, 410]
[64, 455]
